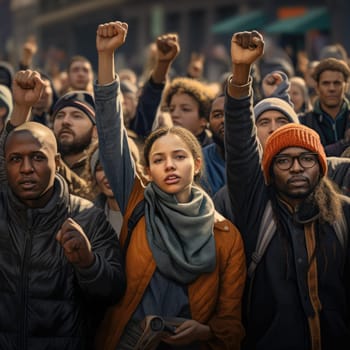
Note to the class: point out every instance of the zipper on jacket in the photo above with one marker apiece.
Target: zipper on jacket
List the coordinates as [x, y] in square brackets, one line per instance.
[335, 132]
[24, 290]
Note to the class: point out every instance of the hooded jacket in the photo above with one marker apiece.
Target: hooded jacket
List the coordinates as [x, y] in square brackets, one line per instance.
[45, 301]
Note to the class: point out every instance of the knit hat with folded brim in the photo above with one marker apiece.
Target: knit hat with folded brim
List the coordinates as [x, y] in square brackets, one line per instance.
[6, 100]
[292, 135]
[275, 104]
[78, 99]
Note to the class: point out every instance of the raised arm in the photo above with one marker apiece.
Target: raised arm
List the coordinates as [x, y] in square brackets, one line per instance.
[26, 90]
[243, 151]
[246, 48]
[29, 49]
[115, 155]
[168, 48]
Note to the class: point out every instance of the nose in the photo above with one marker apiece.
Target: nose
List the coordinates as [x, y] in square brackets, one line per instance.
[296, 167]
[175, 113]
[273, 127]
[169, 164]
[26, 166]
[332, 86]
[66, 119]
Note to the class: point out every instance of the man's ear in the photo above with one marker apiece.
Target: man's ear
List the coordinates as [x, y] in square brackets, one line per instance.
[94, 135]
[3, 112]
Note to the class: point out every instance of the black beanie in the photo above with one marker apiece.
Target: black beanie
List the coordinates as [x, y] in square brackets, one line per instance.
[82, 100]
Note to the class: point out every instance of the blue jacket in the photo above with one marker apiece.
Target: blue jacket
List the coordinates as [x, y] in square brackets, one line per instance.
[214, 176]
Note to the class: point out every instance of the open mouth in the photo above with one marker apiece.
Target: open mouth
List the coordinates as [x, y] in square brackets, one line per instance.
[171, 179]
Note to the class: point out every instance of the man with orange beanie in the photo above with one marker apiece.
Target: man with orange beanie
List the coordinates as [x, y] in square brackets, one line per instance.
[298, 295]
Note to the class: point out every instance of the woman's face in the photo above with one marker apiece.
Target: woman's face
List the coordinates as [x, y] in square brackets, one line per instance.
[102, 181]
[297, 97]
[172, 166]
[184, 111]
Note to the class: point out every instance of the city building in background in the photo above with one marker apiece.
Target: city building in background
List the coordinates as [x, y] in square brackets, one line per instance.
[67, 27]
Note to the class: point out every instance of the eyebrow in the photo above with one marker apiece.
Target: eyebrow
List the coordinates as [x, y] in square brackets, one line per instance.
[174, 151]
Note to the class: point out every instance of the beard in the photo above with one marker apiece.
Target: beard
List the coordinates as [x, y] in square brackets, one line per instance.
[77, 146]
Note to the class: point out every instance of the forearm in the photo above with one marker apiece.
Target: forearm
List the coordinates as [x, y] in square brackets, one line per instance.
[105, 278]
[113, 142]
[106, 70]
[147, 108]
[20, 114]
[245, 179]
[239, 83]
[160, 72]
[241, 143]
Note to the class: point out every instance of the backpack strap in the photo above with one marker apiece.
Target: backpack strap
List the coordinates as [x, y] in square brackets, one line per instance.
[134, 218]
[266, 231]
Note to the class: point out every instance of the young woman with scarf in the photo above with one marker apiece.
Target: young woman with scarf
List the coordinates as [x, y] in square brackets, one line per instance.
[182, 260]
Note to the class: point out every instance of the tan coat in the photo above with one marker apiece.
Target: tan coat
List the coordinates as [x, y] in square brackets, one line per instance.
[214, 298]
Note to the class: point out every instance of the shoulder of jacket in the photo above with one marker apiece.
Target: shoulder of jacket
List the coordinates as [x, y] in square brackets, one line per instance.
[224, 228]
[84, 208]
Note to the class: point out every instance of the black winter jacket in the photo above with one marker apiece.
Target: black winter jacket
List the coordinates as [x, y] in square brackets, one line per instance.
[279, 300]
[46, 302]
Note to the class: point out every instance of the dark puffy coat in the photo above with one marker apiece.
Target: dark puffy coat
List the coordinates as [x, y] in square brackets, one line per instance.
[46, 302]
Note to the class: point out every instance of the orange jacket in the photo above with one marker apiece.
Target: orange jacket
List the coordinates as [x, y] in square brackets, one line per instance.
[214, 298]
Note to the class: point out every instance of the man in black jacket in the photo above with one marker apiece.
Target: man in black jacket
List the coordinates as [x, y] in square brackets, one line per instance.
[61, 263]
[298, 295]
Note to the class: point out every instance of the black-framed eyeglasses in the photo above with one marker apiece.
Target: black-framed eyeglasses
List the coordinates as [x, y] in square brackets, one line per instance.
[306, 160]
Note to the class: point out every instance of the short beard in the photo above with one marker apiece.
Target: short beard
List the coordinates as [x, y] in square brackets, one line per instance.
[74, 148]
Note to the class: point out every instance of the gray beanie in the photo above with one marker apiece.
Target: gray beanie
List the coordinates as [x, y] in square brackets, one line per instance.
[276, 104]
[6, 99]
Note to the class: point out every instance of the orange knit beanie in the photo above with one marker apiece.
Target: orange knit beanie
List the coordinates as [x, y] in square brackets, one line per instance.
[292, 135]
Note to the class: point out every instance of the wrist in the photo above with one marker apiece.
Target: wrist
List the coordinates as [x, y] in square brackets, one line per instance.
[88, 263]
[238, 90]
[205, 333]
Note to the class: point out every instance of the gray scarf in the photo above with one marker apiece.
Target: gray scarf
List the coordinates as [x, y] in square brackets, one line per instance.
[180, 235]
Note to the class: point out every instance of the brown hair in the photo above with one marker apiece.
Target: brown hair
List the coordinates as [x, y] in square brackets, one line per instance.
[332, 64]
[202, 93]
[77, 58]
[184, 134]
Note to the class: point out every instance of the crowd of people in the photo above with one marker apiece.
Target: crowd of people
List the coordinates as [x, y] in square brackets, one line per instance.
[220, 210]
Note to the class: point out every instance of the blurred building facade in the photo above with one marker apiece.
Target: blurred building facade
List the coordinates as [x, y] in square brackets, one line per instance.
[67, 27]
